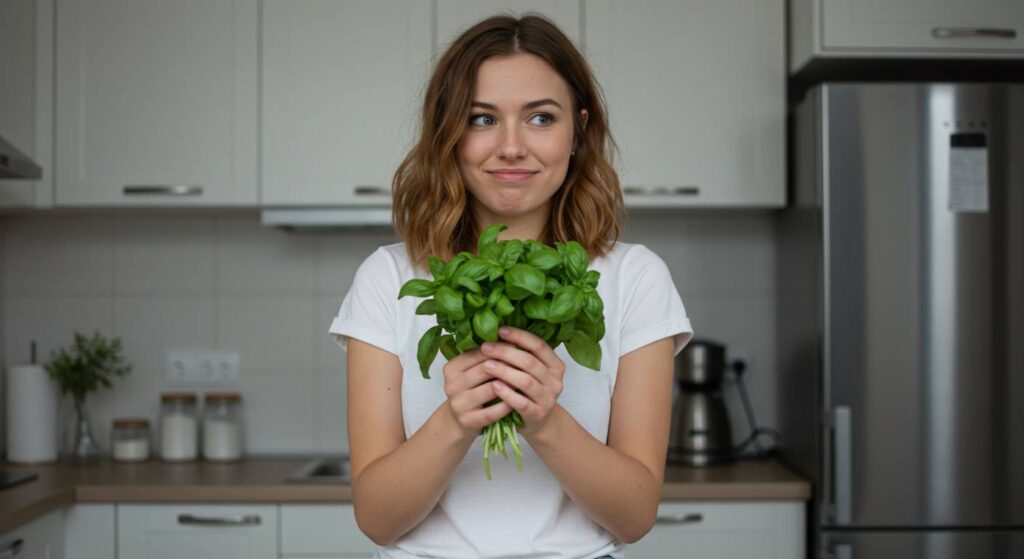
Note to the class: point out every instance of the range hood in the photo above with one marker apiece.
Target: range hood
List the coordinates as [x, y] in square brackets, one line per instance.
[16, 165]
[326, 217]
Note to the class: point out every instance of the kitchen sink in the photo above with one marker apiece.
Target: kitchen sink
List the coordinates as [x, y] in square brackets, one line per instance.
[322, 470]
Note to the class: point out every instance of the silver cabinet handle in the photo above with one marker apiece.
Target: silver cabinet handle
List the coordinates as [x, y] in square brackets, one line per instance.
[633, 190]
[842, 460]
[691, 518]
[161, 189]
[13, 549]
[842, 551]
[955, 32]
[372, 191]
[192, 520]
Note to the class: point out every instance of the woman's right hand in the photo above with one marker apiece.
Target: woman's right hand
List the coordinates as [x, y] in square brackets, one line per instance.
[469, 388]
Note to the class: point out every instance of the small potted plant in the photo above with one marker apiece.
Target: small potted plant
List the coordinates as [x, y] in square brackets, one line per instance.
[90, 364]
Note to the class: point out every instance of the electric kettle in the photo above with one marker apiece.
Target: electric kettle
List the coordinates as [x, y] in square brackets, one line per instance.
[701, 434]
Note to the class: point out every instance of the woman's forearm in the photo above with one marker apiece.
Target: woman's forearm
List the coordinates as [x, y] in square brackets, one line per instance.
[615, 490]
[396, 492]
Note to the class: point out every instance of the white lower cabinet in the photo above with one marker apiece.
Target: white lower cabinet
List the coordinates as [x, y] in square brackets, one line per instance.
[324, 531]
[90, 531]
[719, 530]
[42, 538]
[196, 532]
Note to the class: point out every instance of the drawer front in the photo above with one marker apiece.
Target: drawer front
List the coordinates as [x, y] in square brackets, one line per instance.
[196, 531]
[323, 529]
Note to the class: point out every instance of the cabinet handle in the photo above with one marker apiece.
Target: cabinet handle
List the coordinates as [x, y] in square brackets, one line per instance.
[372, 191]
[661, 190]
[192, 520]
[13, 549]
[691, 518]
[173, 189]
[954, 32]
[842, 463]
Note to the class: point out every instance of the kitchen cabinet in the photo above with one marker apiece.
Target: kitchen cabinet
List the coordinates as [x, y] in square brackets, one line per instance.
[196, 531]
[89, 531]
[42, 538]
[720, 530]
[908, 29]
[156, 103]
[696, 98]
[341, 90]
[454, 16]
[324, 531]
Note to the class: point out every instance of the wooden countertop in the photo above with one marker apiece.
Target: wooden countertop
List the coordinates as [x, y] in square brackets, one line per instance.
[259, 480]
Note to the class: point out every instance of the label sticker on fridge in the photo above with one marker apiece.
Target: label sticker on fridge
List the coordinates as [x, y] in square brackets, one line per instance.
[968, 172]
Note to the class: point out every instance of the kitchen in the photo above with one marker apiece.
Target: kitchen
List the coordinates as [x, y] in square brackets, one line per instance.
[250, 269]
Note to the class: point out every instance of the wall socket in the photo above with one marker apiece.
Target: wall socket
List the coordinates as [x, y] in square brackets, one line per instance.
[201, 367]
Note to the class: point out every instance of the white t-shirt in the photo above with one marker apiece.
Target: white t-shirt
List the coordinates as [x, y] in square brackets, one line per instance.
[516, 514]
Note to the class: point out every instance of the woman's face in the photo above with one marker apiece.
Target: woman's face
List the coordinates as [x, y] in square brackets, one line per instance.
[520, 123]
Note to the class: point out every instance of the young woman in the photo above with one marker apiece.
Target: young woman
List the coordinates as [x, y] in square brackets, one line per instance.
[513, 131]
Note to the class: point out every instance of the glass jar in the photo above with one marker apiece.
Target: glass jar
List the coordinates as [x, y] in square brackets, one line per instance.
[222, 426]
[129, 439]
[179, 427]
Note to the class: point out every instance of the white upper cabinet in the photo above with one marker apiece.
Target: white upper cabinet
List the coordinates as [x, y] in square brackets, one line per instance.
[455, 16]
[696, 98]
[342, 88]
[906, 28]
[156, 102]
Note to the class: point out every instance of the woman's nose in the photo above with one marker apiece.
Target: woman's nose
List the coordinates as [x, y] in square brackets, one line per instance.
[511, 146]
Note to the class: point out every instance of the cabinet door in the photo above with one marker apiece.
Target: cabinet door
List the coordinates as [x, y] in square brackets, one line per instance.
[941, 27]
[196, 532]
[43, 538]
[714, 530]
[324, 531]
[696, 98]
[89, 531]
[342, 88]
[153, 96]
[455, 16]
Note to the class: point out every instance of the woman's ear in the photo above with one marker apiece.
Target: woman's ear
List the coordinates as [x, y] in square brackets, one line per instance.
[584, 116]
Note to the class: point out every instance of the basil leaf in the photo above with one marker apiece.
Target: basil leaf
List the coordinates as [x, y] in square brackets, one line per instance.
[469, 284]
[448, 348]
[489, 237]
[566, 329]
[515, 293]
[485, 324]
[454, 263]
[536, 328]
[594, 307]
[552, 284]
[566, 304]
[544, 258]
[526, 277]
[450, 301]
[492, 297]
[474, 300]
[427, 307]
[426, 351]
[491, 252]
[511, 251]
[517, 319]
[590, 277]
[533, 245]
[537, 308]
[436, 266]
[475, 269]
[584, 351]
[465, 343]
[504, 307]
[417, 288]
[576, 260]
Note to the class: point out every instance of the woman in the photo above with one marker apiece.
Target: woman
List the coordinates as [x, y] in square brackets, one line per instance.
[513, 132]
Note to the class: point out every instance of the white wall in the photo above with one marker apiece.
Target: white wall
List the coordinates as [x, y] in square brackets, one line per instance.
[222, 281]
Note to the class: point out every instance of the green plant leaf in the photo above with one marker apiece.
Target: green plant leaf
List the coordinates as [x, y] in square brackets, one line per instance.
[525, 277]
[544, 258]
[551, 284]
[418, 288]
[452, 265]
[537, 308]
[496, 272]
[475, 301]
[489, 236]
[517, 319]
[428, 306]
[566, 304]
[576, 260]
[450, 301]
[492, 297]
[516, 293]
[485, 324]
[475, 269]
[584, 351]
[469, 284]
[512, 250]
[594, 307]
[504, 307]
[492, 253]
[465, 343]
[426, 351]
[436, 267]
[591, 277]
[566, 329]
[448, 349]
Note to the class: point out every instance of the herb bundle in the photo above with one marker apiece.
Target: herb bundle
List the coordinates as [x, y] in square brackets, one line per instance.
[544, 290]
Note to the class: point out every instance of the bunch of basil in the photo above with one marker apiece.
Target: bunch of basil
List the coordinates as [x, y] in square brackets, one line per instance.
[528, 285]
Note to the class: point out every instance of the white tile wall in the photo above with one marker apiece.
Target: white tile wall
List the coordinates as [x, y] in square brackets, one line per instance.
[224, 282]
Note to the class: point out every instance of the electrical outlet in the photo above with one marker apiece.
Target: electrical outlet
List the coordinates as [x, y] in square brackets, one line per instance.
[201, 367]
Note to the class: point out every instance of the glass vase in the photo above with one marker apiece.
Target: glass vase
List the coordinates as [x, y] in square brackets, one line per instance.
[81, 445]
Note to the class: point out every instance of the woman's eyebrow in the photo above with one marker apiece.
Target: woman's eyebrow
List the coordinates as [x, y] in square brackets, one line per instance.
[530, 105]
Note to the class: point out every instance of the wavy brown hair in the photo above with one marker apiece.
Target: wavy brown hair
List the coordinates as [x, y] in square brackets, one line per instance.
[431, 206]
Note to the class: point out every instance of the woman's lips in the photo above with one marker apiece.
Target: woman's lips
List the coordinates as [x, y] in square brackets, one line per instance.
[511, 177]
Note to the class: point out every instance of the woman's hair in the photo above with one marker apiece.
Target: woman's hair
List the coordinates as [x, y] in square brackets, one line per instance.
[431, 205]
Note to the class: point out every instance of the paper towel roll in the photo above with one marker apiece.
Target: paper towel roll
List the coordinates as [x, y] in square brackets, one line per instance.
[31, 414]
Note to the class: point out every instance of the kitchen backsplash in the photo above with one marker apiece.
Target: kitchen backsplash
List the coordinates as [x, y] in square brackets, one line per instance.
[223, 281]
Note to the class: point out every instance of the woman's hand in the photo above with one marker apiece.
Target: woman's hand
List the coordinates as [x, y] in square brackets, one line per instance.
[529, 375]
[470, 387]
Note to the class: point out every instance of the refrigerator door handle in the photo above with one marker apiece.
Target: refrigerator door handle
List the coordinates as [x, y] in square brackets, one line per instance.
[842, 460]
[840, 551]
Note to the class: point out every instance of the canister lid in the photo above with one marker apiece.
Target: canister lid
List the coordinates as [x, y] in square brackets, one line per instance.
[178, 397]
[222, 396]
[133, 422]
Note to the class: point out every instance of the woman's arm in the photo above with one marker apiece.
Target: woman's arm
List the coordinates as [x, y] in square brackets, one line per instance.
[619, 484]
[396, 482]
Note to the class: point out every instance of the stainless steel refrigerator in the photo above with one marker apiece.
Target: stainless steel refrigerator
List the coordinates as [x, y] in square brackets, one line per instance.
[901, 319]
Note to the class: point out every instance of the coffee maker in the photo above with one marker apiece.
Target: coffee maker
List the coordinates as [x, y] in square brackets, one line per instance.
[701, 432]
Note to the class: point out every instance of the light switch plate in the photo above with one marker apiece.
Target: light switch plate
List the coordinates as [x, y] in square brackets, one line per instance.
[201, 367]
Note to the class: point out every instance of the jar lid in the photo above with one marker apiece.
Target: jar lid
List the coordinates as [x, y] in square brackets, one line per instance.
[130, 422]
[222, 396]
[178, 396]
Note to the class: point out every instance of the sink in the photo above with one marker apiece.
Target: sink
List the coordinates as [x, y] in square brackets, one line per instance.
[322, 470]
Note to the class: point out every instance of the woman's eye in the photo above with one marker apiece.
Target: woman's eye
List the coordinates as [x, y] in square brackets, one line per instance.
[477, 120]
[546, 118]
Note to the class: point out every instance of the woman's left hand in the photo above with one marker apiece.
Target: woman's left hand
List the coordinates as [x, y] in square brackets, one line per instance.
[529, 375]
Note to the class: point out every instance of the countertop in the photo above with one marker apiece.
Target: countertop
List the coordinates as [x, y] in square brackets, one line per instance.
[259, 480]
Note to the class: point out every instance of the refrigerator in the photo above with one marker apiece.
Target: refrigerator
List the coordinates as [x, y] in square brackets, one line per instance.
[900, 328]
